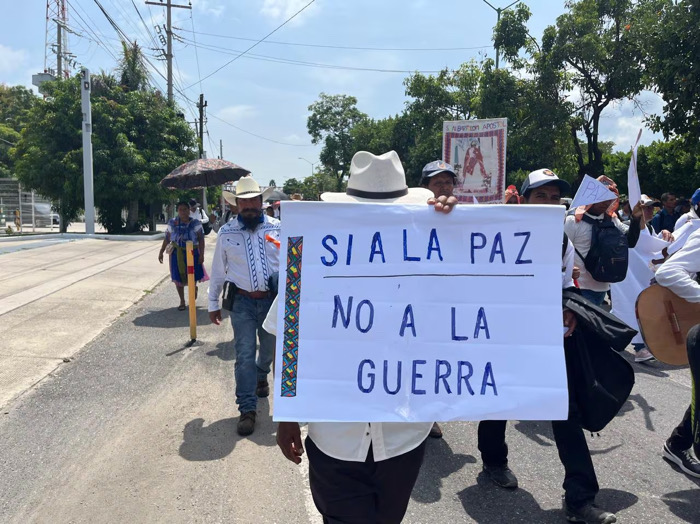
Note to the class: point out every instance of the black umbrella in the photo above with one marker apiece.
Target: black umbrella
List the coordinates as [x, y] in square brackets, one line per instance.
[276, 195]
[203, 172]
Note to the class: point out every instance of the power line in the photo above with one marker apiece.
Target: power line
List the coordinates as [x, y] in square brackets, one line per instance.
[148, 31]
[196, 53]
[353, 48]
[258, 136]
[258, 42]
[266, 58]
[88, 27]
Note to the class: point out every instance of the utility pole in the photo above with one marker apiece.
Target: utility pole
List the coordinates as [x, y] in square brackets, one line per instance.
[169, 45]
[221, 149]
[201, 106]
[87, 153]
[499, 10]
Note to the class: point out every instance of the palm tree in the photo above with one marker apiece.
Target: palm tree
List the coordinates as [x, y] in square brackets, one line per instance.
[132, 68]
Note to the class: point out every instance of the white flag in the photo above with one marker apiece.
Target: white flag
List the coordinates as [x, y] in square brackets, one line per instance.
[633, 188]
[591, 191]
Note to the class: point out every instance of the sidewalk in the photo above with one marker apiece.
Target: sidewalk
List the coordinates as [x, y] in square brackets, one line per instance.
[56, 296]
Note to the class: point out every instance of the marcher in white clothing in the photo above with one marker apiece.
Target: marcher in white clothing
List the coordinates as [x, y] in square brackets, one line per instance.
[679, 274]
[361, 472]
[197, 212]
[693, 214]
[245, 262]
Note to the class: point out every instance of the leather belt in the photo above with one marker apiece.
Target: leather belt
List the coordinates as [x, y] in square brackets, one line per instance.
[255, 295]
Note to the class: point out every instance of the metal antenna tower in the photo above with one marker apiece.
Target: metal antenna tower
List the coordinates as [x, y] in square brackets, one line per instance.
[56, 46]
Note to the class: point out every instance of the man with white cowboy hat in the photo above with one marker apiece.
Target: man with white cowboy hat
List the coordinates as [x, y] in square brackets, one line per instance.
[362, 472]
[245, 259]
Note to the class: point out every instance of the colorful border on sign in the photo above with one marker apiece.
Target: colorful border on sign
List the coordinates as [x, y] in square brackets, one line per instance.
[290, 346]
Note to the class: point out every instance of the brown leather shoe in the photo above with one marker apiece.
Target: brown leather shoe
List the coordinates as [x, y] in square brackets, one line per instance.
[246, 424]
[435, 431]
[263, 389]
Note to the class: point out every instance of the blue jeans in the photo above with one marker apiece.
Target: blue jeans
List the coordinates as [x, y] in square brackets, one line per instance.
[597, 297]
[247, 317]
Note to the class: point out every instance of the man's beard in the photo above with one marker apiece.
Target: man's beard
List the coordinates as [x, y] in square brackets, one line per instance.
[251, 218]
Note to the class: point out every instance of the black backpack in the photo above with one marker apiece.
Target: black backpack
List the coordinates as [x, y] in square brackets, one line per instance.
[608, 257]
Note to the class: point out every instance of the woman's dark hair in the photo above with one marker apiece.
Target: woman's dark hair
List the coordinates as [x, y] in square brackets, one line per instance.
[182, 203]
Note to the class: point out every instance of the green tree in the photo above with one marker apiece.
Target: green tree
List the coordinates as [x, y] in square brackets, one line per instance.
[331, 121]
[591, 49]
[15, 103]
[137, 139]
[669, 32]
[48, 156]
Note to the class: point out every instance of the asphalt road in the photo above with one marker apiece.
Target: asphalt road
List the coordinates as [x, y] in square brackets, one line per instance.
[139, 428]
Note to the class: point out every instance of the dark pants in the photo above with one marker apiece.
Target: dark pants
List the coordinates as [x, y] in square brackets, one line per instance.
[580, 482]
[362, 492]
[492, 443]
[687, 433]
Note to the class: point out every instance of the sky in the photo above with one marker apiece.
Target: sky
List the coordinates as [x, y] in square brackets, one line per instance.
[257, 105]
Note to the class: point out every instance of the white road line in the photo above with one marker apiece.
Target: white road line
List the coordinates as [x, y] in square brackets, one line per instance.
[23, 298]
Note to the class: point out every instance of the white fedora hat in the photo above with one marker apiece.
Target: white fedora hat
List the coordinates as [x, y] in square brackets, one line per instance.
[247, 187]
[378, 179]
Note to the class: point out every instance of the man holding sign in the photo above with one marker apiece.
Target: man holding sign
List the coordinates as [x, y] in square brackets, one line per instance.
[363, 472]
[371, 349]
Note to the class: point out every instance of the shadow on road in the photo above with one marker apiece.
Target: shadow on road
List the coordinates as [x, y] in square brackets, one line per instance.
[540, 432]
[440, 462]
[684, 504]
[218, 439]
[485, 502]
[171, 317]
[640, 401]
[224, 350]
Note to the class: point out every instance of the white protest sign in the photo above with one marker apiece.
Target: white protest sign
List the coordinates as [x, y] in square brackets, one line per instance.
[633, 188]
[396, 313]
[591, 191]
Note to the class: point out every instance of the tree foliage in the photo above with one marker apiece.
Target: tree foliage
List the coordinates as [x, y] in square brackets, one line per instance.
[331, 120]
[671, 42]
[137, 139]
[15, 102]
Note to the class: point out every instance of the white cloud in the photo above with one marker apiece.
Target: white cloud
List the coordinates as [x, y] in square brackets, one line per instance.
[283, 9]
[11, 59]
[621, 123]
[237, 113]
[211, 7]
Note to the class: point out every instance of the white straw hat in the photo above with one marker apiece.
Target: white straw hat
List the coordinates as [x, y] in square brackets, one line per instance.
[378, 179]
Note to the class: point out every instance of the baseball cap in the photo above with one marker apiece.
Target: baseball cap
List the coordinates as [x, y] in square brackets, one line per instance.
[192, 202]
[436, 167]
[646, 201]
[542, 177]
[695, 199]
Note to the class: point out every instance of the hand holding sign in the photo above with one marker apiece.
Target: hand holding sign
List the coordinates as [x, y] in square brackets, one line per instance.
[591, 191]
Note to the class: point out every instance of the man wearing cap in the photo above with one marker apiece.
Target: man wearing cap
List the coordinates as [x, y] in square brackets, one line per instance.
[693, 214]
[648, 205]
[360, 472]
[580, 483]
[244, 260]
[579, 228]
[440, 178]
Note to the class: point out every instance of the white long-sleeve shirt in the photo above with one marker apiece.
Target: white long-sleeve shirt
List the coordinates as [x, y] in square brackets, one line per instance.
[685, 218]
[678, 272]
[244, 257]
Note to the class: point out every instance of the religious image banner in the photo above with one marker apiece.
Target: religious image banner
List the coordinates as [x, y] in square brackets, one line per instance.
[477, 151]
[396, 313]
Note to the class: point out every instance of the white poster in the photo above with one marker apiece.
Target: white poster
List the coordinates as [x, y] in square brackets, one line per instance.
[591, 191]
[477, 151]
[394, 313]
